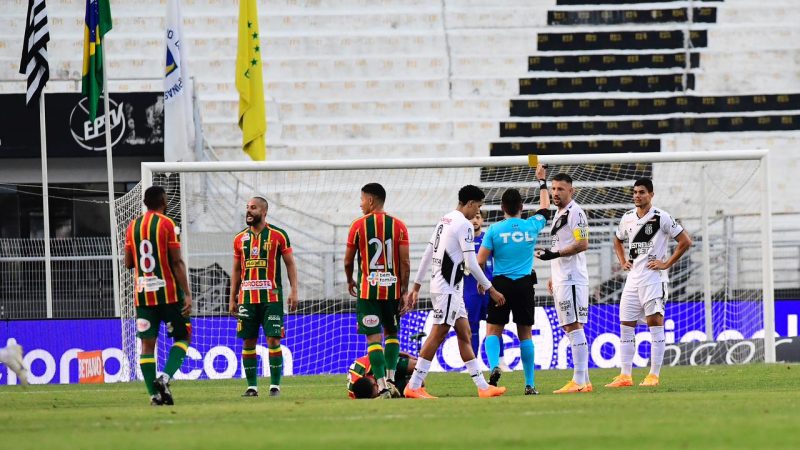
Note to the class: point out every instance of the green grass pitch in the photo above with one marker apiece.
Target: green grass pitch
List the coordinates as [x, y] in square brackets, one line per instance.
[724, 407]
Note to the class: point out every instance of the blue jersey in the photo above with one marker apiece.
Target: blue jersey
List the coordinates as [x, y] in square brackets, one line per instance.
[470, 283]
[512, 242]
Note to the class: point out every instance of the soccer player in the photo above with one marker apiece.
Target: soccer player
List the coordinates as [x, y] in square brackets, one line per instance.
[450, 248]
[512, 242]
[162, 291]
[381, 243]
[569, 277]
[476, 302]
[361, 381]
[648, 231]
[11, 356]
[257, 294]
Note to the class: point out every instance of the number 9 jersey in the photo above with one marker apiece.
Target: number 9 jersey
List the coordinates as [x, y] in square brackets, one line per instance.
[149, 238]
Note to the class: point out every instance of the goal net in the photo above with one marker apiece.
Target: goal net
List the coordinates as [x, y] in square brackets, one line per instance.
[717, 291]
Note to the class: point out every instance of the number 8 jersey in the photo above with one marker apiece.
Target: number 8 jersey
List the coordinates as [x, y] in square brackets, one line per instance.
[148, 239]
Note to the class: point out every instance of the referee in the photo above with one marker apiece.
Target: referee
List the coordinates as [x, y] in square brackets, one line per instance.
[511, 242]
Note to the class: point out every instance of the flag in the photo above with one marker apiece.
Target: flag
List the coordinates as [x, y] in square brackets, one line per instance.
[249, 83]
[178, 111]
[97, 23]
[34, 50]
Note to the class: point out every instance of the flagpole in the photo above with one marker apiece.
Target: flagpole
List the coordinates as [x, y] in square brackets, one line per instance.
[48, 276]
[110, 169]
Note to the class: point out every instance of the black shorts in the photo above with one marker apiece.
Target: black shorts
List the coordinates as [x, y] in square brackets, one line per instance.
[519, 300]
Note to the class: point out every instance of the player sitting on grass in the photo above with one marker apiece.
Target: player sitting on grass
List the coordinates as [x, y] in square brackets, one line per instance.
[361, 381]
[450, 247]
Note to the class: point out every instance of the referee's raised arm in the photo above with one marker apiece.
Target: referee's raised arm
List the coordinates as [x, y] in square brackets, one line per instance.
[544, 194]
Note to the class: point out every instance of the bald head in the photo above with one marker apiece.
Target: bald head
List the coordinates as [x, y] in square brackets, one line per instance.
[256, 211]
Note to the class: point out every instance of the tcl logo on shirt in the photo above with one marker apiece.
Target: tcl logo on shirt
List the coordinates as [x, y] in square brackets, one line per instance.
[518, 236]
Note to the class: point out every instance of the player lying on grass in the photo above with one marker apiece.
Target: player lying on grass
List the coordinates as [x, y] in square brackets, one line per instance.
[361, 381]
[450, 247]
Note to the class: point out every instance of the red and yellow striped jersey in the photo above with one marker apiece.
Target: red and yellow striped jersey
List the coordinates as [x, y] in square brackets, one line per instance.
[377, 238]
[259, 257]
[149, 238]
[359, 369]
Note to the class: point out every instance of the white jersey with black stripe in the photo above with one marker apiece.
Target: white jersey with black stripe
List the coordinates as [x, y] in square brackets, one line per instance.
[569, 226]
[452, 237]
[648, 239]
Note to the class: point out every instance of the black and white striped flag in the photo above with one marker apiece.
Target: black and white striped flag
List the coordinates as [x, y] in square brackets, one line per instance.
[34, 50]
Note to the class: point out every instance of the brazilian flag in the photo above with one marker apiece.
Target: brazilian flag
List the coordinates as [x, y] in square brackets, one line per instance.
[96, 24]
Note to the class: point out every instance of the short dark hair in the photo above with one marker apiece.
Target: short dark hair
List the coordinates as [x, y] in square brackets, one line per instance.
[154, 197]
[262, 200]
[363, 388]
[563, 177]
[470, 193]
[511, 201]
[646, 182]
[375, 189]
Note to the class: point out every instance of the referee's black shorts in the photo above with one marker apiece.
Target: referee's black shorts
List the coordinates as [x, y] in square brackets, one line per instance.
[519, 300]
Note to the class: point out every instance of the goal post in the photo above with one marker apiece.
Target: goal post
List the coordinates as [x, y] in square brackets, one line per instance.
[723, 289]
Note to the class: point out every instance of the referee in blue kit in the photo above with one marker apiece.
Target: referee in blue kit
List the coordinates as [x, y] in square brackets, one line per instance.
[511, 242]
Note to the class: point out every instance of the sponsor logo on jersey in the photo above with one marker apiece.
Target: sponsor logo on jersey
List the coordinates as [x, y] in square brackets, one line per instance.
[267, 246]
[256, 285]
[149, 284]
[273, 317]
[142, 325]
[564, 305]
[246, 237]
[254, 263]
[243, 313]
[371, 320]
[640, 248]
[518, 236]
[382, 279]
[438, 314]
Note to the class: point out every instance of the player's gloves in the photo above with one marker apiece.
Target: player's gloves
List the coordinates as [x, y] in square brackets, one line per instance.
[547, 255]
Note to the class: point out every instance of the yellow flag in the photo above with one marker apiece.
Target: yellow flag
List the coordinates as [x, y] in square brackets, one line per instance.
[249, 83]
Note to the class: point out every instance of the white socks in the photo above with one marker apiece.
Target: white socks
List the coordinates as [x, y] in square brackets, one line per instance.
[390, 375]
[420, 372]
[656, 349]
[382, 384]
[474, 370]
[626, 347]
[580, 356]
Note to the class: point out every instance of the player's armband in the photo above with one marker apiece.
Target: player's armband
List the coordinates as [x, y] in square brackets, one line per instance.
[581, 233]
[546, 213]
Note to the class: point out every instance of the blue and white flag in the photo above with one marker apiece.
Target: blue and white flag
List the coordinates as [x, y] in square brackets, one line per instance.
[178, 112]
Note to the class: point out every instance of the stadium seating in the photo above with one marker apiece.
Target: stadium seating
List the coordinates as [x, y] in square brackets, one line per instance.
[421, 75]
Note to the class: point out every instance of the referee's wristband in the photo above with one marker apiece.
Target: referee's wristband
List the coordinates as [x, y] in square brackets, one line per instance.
[542, 184]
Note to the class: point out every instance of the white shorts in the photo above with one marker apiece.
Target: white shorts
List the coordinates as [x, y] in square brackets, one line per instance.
[572, 304]
[638, 302]
[447, 308]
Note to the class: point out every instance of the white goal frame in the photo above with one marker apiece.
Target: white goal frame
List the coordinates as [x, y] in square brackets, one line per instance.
[762, 156]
